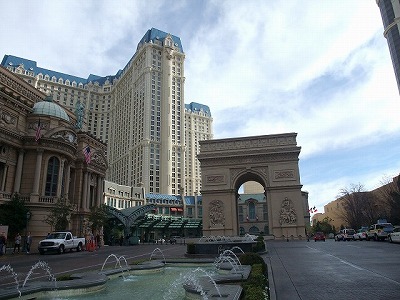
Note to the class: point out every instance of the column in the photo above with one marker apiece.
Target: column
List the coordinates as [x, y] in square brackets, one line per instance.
[38, 170]
[3, 182]
[60, 178]
[84, 190]
[67, 179]
[99, 190]
[88, 196]
[18, 175]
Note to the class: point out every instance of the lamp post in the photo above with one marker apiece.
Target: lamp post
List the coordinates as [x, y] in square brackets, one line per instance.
[28, 216]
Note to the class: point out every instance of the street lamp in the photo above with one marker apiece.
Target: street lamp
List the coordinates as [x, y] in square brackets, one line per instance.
[28, 216]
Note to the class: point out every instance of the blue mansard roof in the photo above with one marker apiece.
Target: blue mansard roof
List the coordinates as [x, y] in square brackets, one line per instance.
[30, 65]
[156, 34]
[193, 106]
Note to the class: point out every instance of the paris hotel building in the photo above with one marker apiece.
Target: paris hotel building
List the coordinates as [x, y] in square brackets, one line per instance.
[139, 112]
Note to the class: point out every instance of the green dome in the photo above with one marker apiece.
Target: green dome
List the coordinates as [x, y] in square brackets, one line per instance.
[50, 109]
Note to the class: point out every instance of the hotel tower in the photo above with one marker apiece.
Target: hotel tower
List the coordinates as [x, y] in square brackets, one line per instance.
[152, 136]
[390, 12]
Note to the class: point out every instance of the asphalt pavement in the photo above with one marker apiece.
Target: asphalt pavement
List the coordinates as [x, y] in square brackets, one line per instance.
[334, 270]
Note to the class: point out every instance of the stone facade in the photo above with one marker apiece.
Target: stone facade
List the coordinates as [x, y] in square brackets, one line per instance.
[42, 171]
[272, 161]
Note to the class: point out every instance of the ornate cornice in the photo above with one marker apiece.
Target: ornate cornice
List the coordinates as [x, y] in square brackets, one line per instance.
[12, 84]
[256, 142]
[245, 160]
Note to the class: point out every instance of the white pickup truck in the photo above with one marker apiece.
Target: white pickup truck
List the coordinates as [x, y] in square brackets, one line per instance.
[60, 242]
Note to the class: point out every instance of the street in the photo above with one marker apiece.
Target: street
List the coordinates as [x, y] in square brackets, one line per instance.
[335, 270]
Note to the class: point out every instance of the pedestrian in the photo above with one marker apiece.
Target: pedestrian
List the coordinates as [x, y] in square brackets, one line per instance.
[28, 243]
[2, 243]
[17, 242]
[98, 241]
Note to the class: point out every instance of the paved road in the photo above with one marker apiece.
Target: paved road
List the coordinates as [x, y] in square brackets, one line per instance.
[335, 270]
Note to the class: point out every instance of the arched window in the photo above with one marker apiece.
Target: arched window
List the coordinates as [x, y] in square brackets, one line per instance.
[254, 230]
[52, 176]
[242, 231]
[252, 211]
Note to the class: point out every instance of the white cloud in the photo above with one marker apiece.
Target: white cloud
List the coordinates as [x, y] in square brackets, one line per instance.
[318, 68]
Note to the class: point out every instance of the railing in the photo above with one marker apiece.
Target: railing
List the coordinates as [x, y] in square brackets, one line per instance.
[5, 195]
[47, 199]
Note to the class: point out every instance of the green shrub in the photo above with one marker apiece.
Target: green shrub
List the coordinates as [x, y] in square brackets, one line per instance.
[252, 259]
[191, 248]
[255, 286]
[64, 277]
[138, 261]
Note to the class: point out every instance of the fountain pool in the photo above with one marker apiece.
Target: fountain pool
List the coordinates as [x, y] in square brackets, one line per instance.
[166, 284]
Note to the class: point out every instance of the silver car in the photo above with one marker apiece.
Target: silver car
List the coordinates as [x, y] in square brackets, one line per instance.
[394, 237]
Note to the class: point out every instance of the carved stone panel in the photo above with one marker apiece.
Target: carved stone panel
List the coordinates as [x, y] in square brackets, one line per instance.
[216, 213]
[8, 118]
[287, 213]
[215, 179]
[283, 175]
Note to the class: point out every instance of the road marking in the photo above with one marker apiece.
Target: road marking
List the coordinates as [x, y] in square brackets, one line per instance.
[361, 268]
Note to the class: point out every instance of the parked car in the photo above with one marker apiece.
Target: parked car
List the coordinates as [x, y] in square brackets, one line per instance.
[346, 234]
[379, 231]
[319, 236]
[361, 234]
[394, 237]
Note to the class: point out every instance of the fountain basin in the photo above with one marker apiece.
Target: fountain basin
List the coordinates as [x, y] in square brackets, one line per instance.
[109, 283]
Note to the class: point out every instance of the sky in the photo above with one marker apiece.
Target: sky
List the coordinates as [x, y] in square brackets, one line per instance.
[321, 69]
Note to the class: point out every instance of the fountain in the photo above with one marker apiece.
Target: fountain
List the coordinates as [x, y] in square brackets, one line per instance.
[44, 266]
[194, 282]
[117, 263]
[175, 281]
[210, 245]
[237, 247]
[13, 274]
[159, 250]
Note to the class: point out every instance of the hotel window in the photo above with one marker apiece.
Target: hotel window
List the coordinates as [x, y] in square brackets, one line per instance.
[252, 211]
[52, 176]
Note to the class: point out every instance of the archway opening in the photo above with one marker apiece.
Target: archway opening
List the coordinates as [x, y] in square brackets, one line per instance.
[252, 205]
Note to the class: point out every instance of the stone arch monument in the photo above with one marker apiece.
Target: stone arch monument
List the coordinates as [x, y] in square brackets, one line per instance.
[271, 160]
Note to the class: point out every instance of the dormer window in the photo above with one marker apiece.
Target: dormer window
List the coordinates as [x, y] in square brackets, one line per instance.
[169, 42]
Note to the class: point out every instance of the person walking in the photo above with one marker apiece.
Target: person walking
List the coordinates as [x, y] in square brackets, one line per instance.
[17, 243]
[2, 243]
[28, 243]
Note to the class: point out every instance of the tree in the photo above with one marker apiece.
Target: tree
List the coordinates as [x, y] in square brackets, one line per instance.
[98, 217]
[13, 213]
[324, 226]
[359, 208]
[60, 214]
[394, 203]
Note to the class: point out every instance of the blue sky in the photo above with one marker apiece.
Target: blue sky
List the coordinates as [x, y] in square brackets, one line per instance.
[318, 68]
